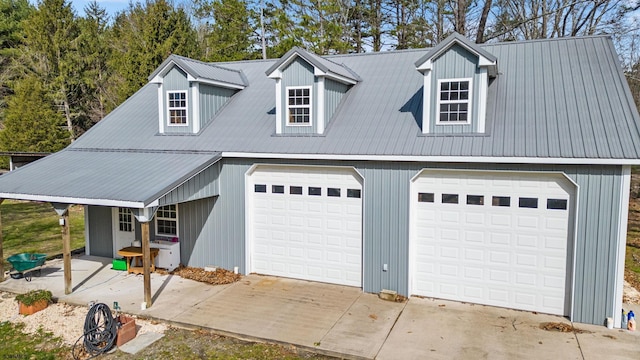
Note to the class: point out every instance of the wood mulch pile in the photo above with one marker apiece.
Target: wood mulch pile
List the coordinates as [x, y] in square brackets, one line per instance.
[561, 327]
[218, 277]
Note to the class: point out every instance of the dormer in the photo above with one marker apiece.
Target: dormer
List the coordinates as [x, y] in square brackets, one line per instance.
[308, 91]
[456, 81]
[190, 93]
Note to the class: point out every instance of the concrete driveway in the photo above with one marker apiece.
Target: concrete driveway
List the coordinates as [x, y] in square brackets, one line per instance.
[335, 320]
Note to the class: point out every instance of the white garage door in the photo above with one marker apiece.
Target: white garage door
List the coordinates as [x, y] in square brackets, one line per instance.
[306, 223]
[492, 238]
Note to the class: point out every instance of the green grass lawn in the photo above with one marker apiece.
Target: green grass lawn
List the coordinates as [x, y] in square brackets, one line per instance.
[29, 226]
[18, 345]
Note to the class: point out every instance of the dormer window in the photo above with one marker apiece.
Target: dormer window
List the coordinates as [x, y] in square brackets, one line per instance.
[454, 101]
[456, 78]
[299, 106]
[309, 89]
[177, 107]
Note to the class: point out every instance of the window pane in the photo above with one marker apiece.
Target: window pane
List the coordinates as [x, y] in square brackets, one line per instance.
[455, 85]
[464, 95]
[501, 201]
[464, 85]
[425, 197]
[556, 204]
[444, 86]
[295, 190]
[277, 189]
[316, 191]
[453, 96]
[531, 203]
[475, 200]
[334, 192]
[353, 193]
[259, 188]
[444, 96]
[449, 198]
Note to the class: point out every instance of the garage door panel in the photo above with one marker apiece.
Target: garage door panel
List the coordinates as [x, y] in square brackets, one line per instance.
[323, 233]
[478, 251]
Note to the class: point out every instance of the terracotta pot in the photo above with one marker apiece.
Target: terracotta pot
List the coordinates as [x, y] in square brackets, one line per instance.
[33, 308]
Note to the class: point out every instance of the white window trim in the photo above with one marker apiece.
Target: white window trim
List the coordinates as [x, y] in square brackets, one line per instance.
[186, 108]
[155, 219]
[469, 102]
[286, 102]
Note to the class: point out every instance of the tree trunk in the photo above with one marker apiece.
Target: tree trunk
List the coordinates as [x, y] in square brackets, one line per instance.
[483, 21]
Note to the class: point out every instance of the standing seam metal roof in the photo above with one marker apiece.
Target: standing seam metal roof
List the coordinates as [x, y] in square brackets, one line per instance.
[559, 98]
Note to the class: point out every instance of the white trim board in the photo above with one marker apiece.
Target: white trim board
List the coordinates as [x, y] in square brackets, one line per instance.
[435, 159]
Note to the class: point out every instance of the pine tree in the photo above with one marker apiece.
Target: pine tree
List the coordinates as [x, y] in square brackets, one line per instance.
[51, 52]
[12, 14]
[142, 37]
[230, 31]
[31, 123]
[95, 51]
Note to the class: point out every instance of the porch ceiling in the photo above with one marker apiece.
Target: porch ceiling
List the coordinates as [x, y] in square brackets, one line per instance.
[134, 179]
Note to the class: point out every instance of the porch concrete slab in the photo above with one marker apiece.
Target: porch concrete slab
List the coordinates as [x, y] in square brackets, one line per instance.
[363, 328]
[598, 342]
[277, 309]
[438, 329]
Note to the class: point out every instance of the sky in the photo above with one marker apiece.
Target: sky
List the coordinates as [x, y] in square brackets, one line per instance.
[112, 6]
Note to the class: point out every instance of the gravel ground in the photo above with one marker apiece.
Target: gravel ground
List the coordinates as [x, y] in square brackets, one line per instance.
[64, 321]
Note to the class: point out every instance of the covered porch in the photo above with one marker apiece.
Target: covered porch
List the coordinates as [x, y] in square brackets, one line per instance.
[139, 182]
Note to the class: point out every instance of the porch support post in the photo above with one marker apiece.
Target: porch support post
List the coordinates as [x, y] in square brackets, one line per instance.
[144, 216]
[66, 253]
[1, 251]
[62, 210]
[146, 263]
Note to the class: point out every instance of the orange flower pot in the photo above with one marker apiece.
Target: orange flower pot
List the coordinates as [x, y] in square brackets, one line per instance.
[33, 308]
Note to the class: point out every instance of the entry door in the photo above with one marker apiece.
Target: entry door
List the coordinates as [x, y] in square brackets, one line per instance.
[124, 230]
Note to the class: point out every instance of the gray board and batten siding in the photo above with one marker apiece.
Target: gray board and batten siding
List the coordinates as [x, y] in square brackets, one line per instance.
[212, 99]
[212, 230]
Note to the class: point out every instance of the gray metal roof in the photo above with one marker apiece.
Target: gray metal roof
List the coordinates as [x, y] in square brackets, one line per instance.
[103, 177]
[323, 64]
[562, 98]
[202, 70]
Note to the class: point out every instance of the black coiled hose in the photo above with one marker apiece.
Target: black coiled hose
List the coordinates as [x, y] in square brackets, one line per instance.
[100, 330]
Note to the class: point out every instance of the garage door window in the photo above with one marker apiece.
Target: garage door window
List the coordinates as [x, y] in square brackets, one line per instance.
[501, 201]
[353, 193]
[260, 188]
[449, 198]
[556, 204]
[277, 189]
[425, 197]
[315, 191]
[333, 192]
[295, 190]
[525, 202]
[475, 200]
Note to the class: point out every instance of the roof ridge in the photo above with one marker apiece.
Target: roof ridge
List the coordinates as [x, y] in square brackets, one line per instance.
[213, 64]
[563, 38]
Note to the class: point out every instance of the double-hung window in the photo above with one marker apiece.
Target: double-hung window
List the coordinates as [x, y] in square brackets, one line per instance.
[167, 221]
[299, 105]
[177, 108]
[454, 101]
